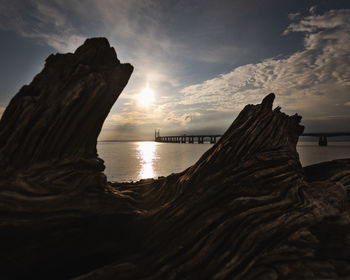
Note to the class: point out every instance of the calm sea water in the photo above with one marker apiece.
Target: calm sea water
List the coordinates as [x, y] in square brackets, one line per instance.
[132, 161]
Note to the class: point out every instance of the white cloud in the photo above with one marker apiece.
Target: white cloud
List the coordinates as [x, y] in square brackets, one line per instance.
[316, 77]
[41, 20]
[132, 27]
[330, 20]
[313, 79]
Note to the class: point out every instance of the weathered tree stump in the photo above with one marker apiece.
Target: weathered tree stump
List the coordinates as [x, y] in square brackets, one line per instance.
[245, 210]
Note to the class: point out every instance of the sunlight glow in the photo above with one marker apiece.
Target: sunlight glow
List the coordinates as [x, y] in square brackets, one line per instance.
[146, 155]
[146, 97]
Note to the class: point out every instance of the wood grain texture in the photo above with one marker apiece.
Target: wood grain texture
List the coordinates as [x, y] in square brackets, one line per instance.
[246, 210]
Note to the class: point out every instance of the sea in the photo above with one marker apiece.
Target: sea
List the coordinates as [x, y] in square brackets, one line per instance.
[128, 161]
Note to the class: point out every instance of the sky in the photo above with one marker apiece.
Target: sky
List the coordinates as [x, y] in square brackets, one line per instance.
[196, 63]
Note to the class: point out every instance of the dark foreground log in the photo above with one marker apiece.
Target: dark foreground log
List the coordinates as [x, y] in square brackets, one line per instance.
[245, 210]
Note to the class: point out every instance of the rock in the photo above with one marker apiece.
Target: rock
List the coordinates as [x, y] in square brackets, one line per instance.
[245, 210]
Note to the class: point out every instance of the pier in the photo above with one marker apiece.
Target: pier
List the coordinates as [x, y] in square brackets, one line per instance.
[200, 139]
[322, 136]
[212, 138]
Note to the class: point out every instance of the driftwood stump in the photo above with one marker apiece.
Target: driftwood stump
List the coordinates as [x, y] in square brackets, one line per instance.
[246, 210]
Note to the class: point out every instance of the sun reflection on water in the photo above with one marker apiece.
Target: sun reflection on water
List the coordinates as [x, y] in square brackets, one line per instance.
[146, 154]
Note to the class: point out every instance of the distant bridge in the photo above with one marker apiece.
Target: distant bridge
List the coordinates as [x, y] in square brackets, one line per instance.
[322, 136]
[212, 138]
[200, 139]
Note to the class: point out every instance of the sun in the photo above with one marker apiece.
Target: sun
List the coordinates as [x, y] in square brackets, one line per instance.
[146, 97]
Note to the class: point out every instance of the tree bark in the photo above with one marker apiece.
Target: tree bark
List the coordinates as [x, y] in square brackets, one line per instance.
[246, 210]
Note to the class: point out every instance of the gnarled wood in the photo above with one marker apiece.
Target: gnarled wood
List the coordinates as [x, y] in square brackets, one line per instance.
[60, 114]
[245, 210]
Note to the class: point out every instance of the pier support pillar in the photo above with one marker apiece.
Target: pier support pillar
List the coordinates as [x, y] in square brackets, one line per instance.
[322, 141]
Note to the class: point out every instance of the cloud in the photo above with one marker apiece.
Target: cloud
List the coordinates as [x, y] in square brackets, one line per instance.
[2, 110]
[129, 118]
[64, 25]
[294, 16]
[215, 54]
[310, 81]
[153, 116]
[183, 119]
[315, 78]
[40, 20]
[133, 124]
[313, 10]
[315, 23]
[133, 27]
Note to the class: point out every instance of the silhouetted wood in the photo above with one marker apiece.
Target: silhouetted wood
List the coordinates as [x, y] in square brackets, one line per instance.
[245, 210]
[56, 217]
